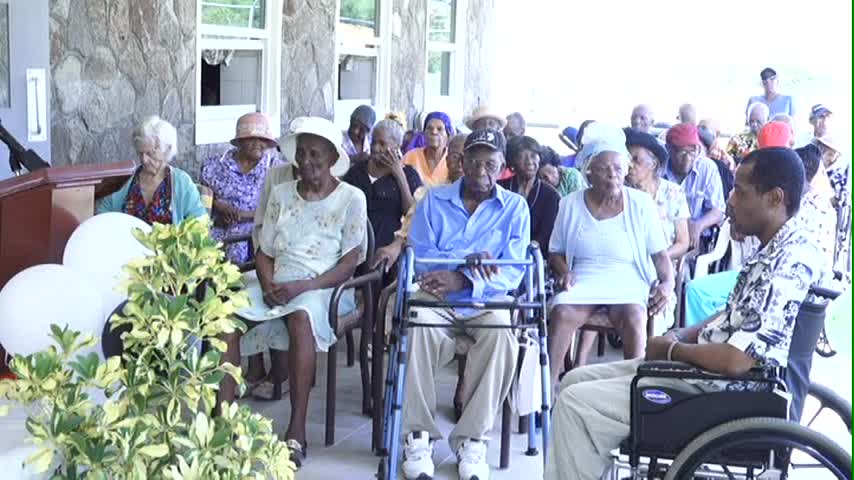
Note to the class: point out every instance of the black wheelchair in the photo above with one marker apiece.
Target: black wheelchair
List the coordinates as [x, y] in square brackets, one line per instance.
[529, 312]
[748, 434]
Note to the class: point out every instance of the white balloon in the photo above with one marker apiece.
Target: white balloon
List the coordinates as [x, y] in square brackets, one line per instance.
[100, 247]
[43, 295]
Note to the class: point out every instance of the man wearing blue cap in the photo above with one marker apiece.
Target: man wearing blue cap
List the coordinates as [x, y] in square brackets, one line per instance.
[473, 216]
[777, 102]
[819, 119]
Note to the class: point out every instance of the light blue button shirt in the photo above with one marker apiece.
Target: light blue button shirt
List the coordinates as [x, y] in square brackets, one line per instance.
[783, 104]
[500, 225]
[703, 187]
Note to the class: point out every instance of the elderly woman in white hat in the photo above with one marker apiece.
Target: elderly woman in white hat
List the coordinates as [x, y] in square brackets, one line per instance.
[157, 192]
[607, 235]
[484, 117]
[313, 236]
[236, 178]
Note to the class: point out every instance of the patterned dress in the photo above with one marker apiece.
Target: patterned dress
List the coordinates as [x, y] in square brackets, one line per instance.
[158, 210]
[741, 144]
[305, 239]
[240, 190]
[672, 207]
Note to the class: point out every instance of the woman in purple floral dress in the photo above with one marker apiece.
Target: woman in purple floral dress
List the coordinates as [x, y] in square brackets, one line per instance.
[236, 178]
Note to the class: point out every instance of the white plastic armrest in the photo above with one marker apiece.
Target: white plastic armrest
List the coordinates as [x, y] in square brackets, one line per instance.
[701, 266]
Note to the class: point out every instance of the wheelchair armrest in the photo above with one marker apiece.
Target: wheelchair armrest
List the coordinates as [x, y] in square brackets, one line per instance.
[826, 293]
[686, 371]
[653, 367]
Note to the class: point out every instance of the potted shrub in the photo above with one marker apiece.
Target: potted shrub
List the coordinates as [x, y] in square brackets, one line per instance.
[156, 421]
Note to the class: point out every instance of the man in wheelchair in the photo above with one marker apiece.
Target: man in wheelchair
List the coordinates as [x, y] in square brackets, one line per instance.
[471, 218]
[592, 415]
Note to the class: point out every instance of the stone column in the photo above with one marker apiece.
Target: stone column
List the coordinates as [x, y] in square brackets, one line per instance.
[308, 59]
[409, 57]
[481, 53]
[113, 62]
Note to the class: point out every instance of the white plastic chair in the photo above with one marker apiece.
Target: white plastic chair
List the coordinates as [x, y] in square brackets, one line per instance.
[703, 262]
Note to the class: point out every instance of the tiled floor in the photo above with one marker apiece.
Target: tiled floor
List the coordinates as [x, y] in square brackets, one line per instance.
[351, 458]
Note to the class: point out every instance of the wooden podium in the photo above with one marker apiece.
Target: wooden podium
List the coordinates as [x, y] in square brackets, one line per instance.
[40, 210]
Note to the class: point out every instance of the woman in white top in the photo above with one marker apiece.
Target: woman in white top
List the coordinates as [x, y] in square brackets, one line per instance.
[607, 250]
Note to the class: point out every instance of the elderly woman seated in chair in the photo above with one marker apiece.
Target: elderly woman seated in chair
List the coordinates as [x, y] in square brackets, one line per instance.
[648, 158]
[157, 192]
[236, 178]
[313, 237]
[607, 251]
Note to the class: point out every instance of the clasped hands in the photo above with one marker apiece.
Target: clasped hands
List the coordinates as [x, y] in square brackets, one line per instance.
[442, 282]
[283, 293]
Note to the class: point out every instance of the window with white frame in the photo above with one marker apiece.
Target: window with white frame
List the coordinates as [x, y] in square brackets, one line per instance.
[363, 62]
[239, 54]
[444, 54]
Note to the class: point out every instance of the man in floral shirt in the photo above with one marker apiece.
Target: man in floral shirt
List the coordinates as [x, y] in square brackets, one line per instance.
[742, 144]
[592, 414]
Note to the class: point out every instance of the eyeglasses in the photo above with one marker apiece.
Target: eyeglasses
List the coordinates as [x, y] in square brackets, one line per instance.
[490, 166]
[684, 152]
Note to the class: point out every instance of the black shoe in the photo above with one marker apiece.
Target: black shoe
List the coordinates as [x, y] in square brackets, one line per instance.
[298, 452]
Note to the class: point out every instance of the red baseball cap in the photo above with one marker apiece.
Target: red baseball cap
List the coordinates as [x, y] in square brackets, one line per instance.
[775, 134]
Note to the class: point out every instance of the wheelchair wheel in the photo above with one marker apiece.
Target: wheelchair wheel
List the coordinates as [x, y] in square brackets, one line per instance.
[759, 433]
[828, 400]
[615, 340]
[823, 347]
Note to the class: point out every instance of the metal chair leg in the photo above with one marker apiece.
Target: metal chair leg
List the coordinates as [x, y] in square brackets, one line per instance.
[331, 384]
[351, 354]
[506, 418]
[458, 393]
[364, 368]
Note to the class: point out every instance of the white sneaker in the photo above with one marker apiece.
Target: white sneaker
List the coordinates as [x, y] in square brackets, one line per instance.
[471, 457]
[418, 456]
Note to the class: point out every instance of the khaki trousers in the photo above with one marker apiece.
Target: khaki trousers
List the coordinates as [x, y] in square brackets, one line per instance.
[591, 418]
[490, 367]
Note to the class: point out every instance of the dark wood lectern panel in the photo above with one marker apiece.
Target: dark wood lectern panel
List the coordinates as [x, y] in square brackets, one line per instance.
[40, 210]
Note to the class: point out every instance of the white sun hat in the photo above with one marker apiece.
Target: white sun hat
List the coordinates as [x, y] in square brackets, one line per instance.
[322, 128]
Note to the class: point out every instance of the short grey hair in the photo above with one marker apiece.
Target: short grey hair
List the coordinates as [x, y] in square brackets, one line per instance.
[753, 106]
[160, 132]
[782, 117]
[392, 127]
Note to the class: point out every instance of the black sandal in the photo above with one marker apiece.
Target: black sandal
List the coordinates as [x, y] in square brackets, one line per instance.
[298, 452]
